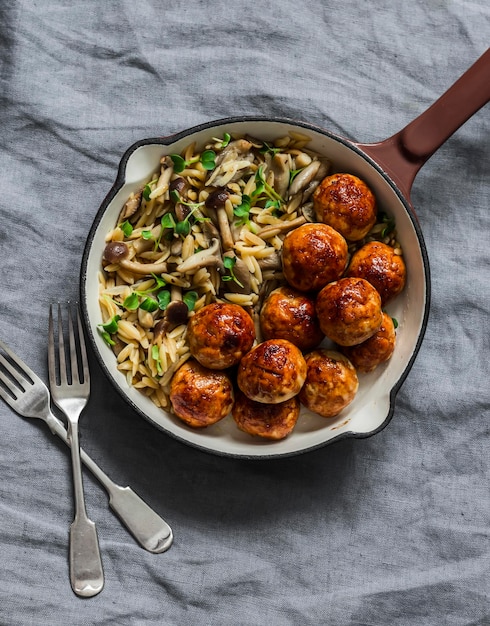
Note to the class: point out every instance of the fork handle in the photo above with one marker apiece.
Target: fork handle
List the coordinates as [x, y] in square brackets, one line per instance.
[86, 573]
[147, 527]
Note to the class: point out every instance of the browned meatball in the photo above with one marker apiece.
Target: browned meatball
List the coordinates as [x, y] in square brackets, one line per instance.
[219, 335]
[270, 421]
[272, 372]
[290, 314]
[366, 356]
[378, 264]
[312, 256]
[349, 311]
[346, 203]
[331, 383]
[200, 396]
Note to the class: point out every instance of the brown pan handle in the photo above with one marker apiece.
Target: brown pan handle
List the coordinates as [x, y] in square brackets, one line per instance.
[402, 155]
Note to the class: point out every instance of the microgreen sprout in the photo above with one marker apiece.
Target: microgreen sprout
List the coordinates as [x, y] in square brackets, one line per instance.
[163, 298]
[155, 355]
[149, 304]
[263, 190]
[190, 299]
[229, 263]
[147, 189]
[267, 148]
[183, 227]
[127, 228]
[294, 173]
[222, 143]
[132, 302]
[207, 159]
[390, 225]
[108, 329]
[242, 211]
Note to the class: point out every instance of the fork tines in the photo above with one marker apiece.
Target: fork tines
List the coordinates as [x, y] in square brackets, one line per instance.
[15, 376]
[74, 354]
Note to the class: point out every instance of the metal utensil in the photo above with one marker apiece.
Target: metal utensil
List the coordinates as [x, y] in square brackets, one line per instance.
[69, 381]
[28, 396]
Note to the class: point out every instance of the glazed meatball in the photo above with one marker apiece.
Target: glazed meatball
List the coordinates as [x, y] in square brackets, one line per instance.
[272, 372]
[349, 311]
[290, 314]
[270, 421]
[200, 396]
[378, 264]
[331, 383]
[312, 256]
[219, 335]
[346, 203]
[366, 356]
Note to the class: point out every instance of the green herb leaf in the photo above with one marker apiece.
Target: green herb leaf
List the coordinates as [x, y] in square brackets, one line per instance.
[108, 329]
[163, 298]
[146, 234]
[111, 325]
[190, 299]
[155, 355]
[183, 228]
[242, 211]
[107, 338]
[179, 163]
[149, 304]
[395, 322]
[159, 282]
[131, 303]
[167, 221]
[267, 148]
[127, 228]
[174, 196]
[146, 192]
[208, 159]
[390, 224]
[229, 263]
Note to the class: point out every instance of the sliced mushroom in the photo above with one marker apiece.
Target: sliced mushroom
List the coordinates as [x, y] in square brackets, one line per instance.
[207, 257]
[224, 228]
[176, 246]
[231, 162]
[304, 177]
[215, 205]
[281, 227]
[308, 212]
[131, 206]
[281, 170]
[242, 283]
[271, 262]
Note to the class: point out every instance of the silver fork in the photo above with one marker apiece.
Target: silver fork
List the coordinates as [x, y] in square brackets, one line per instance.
[28, 396]
[69, 381]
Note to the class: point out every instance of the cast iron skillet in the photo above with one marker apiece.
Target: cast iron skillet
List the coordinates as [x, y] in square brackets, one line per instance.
[389, 167]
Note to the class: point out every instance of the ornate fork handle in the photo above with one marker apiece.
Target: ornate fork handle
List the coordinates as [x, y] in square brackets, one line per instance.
[146, 526]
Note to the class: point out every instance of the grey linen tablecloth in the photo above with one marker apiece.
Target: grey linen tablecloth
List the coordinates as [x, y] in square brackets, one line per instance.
[392, 529]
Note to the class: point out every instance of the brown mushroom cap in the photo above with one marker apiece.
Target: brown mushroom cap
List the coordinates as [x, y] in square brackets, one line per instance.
[115, 251]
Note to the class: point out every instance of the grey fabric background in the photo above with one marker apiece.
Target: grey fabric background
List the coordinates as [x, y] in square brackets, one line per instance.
[393, 529]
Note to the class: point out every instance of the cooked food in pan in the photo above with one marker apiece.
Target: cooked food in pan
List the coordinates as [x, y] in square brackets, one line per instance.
[230, 265]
